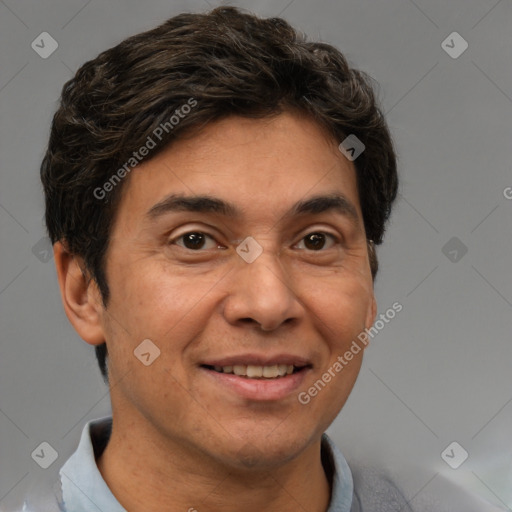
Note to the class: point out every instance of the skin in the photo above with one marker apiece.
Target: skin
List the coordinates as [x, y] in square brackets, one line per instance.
[181, 441]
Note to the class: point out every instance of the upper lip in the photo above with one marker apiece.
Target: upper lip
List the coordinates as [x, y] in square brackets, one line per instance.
[259, 360]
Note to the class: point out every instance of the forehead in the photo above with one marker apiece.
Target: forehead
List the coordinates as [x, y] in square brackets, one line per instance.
[263, 166]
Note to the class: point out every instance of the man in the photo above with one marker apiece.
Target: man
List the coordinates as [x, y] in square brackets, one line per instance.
[215, 189]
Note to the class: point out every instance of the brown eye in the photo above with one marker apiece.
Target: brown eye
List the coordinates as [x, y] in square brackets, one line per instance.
[193, 240]
[316, 241]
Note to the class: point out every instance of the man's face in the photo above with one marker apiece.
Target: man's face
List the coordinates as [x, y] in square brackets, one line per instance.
[176, 278]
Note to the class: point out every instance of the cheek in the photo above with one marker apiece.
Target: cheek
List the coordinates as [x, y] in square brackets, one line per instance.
[345, 308]
[148, 301]
[341, 305]
[151, 299]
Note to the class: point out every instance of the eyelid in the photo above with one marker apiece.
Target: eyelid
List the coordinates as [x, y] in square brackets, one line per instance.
[191, 228]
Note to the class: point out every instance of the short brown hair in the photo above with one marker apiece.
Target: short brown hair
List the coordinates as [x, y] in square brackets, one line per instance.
[231, 63]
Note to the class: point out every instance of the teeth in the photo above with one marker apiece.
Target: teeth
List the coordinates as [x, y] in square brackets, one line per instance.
[270, 371]
[238, 369]
[254, 371]
[282, 368]
[257, 372]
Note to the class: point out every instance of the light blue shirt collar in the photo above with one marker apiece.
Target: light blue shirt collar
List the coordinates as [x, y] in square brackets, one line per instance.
[84, 490]
[83, 487]
[342, 483]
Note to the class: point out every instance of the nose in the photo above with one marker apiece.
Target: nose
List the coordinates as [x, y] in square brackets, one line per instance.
[262, 293]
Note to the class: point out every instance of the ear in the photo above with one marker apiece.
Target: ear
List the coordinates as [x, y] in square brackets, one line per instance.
[80, 296]
[372, 312]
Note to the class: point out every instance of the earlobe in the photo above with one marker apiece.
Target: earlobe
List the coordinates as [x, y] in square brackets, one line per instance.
[80, 296]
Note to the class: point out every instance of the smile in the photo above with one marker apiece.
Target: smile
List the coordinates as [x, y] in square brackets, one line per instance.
[257, 382]
[257, 372]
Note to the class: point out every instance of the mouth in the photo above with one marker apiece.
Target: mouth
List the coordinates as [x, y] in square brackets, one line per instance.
[273, 381]
[251, 371]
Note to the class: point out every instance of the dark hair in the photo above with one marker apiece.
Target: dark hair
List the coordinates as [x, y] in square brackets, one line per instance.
[230, 63]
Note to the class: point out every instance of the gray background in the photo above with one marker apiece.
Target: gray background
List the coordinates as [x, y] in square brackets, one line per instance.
[440, 371]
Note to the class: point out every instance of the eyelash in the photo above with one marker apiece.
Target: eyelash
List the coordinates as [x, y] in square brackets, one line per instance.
[327, 234]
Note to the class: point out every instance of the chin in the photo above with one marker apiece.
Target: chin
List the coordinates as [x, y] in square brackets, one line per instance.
[266, 451]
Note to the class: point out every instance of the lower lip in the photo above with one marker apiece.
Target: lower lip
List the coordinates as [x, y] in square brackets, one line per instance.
[260, 389]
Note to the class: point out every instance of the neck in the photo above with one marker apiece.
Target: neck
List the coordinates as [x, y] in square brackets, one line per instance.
[148, 476]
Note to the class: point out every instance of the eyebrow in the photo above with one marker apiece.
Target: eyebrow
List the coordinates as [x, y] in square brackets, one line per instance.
[209, 204]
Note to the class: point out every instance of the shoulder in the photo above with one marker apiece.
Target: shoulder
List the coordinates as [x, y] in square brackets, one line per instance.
[375, 491]
[359, 489]
[46, 493]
